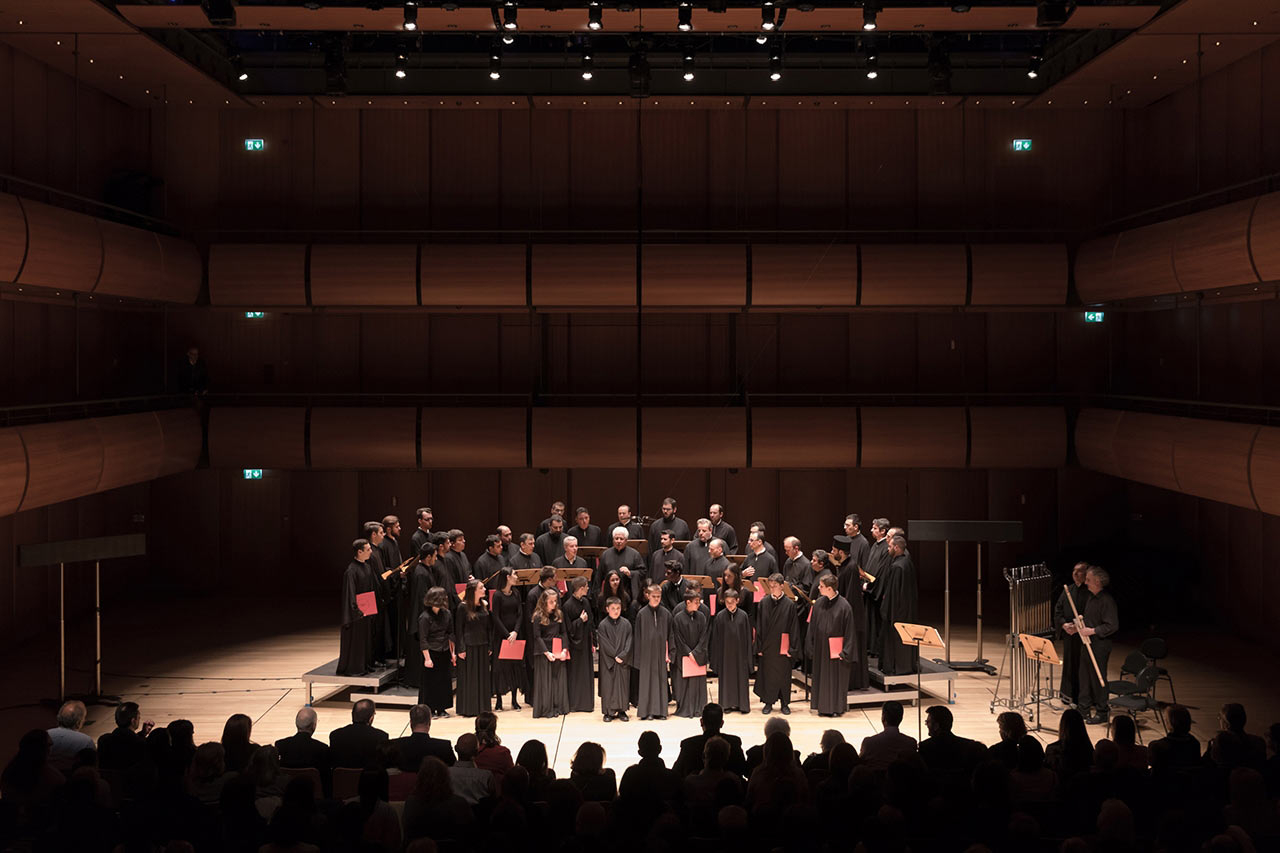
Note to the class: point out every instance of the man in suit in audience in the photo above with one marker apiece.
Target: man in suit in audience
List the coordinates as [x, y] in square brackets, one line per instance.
[356, 745]
[649, 778]
[303, 750]
[419, 743]
[124, 746]
[945, 752]
[470, 782]
[689, 761]
[880, 750]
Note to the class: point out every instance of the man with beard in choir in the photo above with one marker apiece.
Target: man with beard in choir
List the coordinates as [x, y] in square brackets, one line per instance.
[354, 652]
[585, 532]
[550, 545]
[668, 521]
[877, 560]
[397, 603]
[651, 633]
[666, 553]
[690, 638]
[569, 559]
[832, 620]
[557, 508]
[697, 554]
[509, 547]
[422, 535]
[580, 625]
[634, 529]
[775, 620]
[625, 560]
[526, 557]
[491, 561]
[614, 635]
[674, 586]
[722, 530]
[898, 603]
[759, 563]
[731, 653]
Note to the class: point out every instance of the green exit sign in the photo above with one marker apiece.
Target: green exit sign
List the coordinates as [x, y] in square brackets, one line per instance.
[253, 473]
[254, 145]
[254, 315]
[1022, 145]
[1093, 316]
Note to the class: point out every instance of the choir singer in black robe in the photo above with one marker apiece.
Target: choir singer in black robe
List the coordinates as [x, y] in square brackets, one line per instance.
[759, 563]
[614, 635]
[651, 633]
[354, 652]
[722, 529]
[668, 521]
[898, 603]
[849, 583]
[435, 638]
[626, 561]
[546, 580]
[422, 535]
[877, 560]
[569, 559]
[690, 637]
[585, 532]
[508, 624]
[580, 626]
[776, 618]
[550, 545]
[473, 627]
[731, 653]
[832, 619]
[550, 686]
[492, 561]
[526, 557]
[419, 582]
[697, 554]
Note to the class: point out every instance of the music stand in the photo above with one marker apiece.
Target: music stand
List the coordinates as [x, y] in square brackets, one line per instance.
[919, 635]
[737, 559]
[567, 575]
[591, 551]
[1040, 650]
[525, 577]
[681, 544]
[641, 545]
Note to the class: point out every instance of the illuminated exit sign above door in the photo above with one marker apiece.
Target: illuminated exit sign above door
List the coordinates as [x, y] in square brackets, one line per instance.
[1022, 145]
[255, 145]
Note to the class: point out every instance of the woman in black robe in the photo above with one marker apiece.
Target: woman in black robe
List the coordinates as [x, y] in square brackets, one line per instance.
[616, 586]
[832, 619]
[435, 638]
[580, 626]
[473, 628]
[550, 685]
[508, 608]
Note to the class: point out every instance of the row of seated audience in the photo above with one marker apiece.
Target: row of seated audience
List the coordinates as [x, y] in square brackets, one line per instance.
[143, 788]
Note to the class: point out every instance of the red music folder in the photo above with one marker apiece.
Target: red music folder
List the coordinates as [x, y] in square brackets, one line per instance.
[511, 650]
[367, 602]
[784, 646]
[558, 650]
[691, 668]
[759, 593]
[837, 646]
[711, 599]
[459, 587]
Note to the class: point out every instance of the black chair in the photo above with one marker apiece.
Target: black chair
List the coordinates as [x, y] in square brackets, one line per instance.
[1142, 699]
[1133, 664]
[1155, 650]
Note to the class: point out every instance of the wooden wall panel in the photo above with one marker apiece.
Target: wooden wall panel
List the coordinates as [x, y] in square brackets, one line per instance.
[760, 146]
[364, 438]
[1094, 274]
[364, 275]
[693, 275]
[603, 175]
[64, 248]
[914, 274]
[584, 275]
[64, 461]
[583, 437]
[257, 276]
[674, 155]
[812, 158]
[182, 440]
[1211, 460]
[727, 173]
[182, 269]
[1264, 234]
[882, 168]
[813, 352]
[1095, 436]
[466, 275]
[1143, 262]
[810, 506]
[132, 264]
[1212, 248]
[804, 437]
[601, 491]
[915, 437]
[697, 437]
[131, 449]
[1017, 437]
[527, 495]
[395, 168]
[466, 176]
[817, 275]
[1144, 449]
[692, 490]
[258, 437]
[1019, 274]
[1264, 469]
[474, 438]
[13, 471]
[13, 237]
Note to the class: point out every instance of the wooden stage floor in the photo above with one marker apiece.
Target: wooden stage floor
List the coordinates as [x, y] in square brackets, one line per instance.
[205, 659]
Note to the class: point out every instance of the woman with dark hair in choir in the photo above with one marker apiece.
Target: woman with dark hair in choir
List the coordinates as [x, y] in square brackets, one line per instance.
[508, 675]
[732, 579]
[580, 625]
[473, 627]
[435, 639]
[616, 586]
[550, 645]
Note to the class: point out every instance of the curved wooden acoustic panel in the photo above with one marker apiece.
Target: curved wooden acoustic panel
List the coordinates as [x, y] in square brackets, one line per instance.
[182, 440]
[13, 470]
[1264, 237]
[463, 276]
[258, 437]
[132, 264]
[1143, 261]
[693, 437]
[1212, 248]
[183, 269]
[1018, 274]
[1095, 435]
[1093, 271]
[364, 275]
[926, 274]
[804, 437]
[693, 275]
[913, 437]
[808, 276]
[64, 248]
[13, 238]
[1211, 460]
[584, 276]
[474, 438]
[583, 438]
[346, 438]
[64, 461]
[255, 275]
[1144, 449]
[131, 449]
[1264, 469]
[1017, 437]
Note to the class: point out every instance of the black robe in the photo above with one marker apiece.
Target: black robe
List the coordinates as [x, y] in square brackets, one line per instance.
[487, 565]
[435, 636]
[730, 657]
[715, 568]
[859, 673]
[832, 617]
[459, 565]
[899, 602]
[581, 677]
[614, 636]
[1072, 645]
[877, 562]
[724, 531]
[690, 635]
[775, 617]
[475, 638]
[548, 546]
[354, 652]
[679, 530]
[658, 561]
[796, 571]
[418, 581]
[592, 536]
[635, 530]
[859, 551]
[696, 557]
[521, 560]
[508, 618]
[764, 563]
[550, 685]
[628, 558]
[651, 633]
[563, 562]
[419, 540]
[746, 600]
[530, 605]
[384, 589]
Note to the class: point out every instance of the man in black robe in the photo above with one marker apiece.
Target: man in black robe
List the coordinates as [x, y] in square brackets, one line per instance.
[722, 529]
[651, 633]
[585, 532]
[526, 557]
[398, 600]
[354, 652]
[570, 559]
[858, 548]
[491, 561]
[420, 579]
[550, 545]
[580, 625]
[731, 653]
[832, 619]
[667, 521]
[718, 563]
[626, 561]
[665, 553]
[690, 638]
[776, 617]
[1072, 647]
[697, 554]
[877, 560]
[759, 563]
[557, 508]
[635, 530]
[674, 586]
[1101, 621]
[899, 602]
[422, 535]
[385, 582]
[796, 568]
[614, 635]
[758, 527]
[457, 560]
[509, 547]
[840, 558]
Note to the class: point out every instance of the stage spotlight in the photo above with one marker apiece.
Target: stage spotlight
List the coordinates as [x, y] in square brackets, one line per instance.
[775, 64]
[687, 65]
[495, 61]
[509, 17]
[402, 66]
[1033, 67]
[766, 17]
[686, 18]
[588, 63]
[873, 65]
[595, 17]
[410, 16]
[869, 17]
[238, 69]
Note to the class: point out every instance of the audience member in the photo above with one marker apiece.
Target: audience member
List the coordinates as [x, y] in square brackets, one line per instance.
[122, 747]
[237, 742]
[304, 750]
[533, 758]
[1031, 781]
[588, 774]
[1182, 749]
[945, 752]
[1232, 746]
[356, 744]
[1012, 729]
[419, 743]
[66, 738]
[755, 755]
[1072, 752]
[493, 756]
[470, 782]
[649, 778]
[882, 749]
[689, 759]
[433, 809]
[1131, 754]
